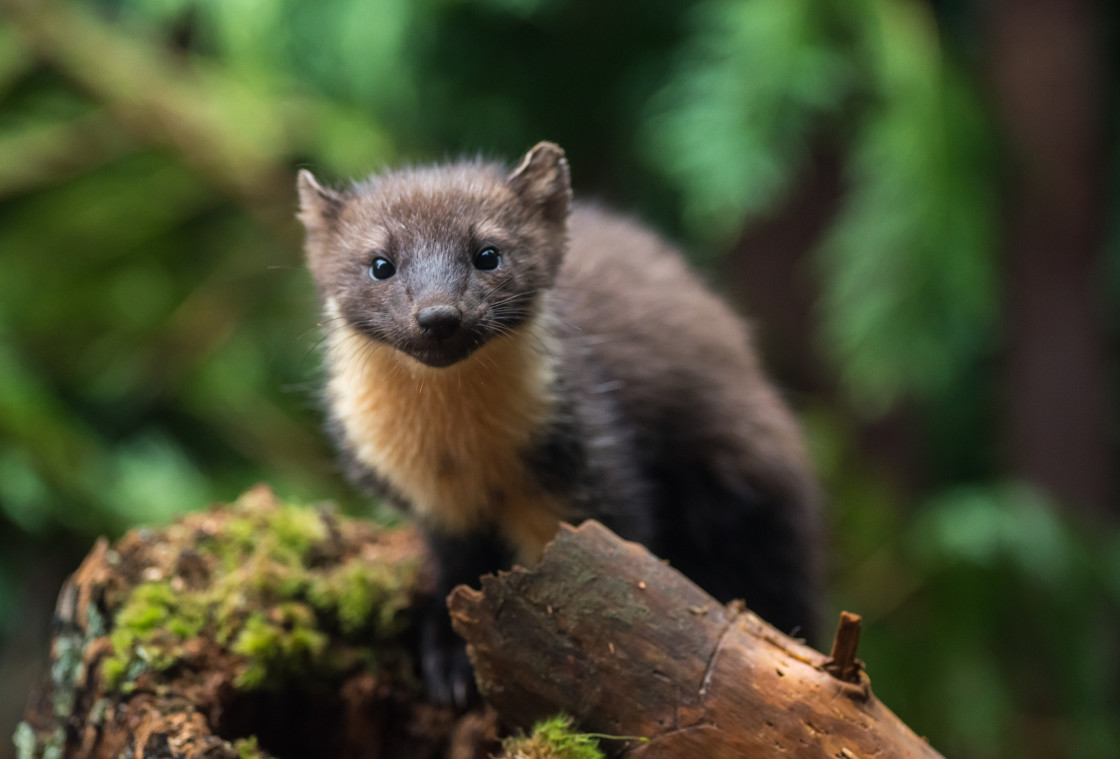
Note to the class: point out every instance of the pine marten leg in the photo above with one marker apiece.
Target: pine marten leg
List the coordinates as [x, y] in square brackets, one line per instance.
[460, 560]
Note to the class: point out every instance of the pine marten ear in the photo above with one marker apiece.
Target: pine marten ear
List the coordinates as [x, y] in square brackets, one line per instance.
[542, 180]
[318, 206]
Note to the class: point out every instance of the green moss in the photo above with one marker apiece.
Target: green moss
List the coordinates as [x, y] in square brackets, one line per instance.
[43, 745]
[247, 748]
[264, 602]
[283, 644]
[283, 534]
[96, 624]
[554, 739]
[24, 739]
[151, 627]
[113, 668]
[65, 667]
[295, 531]
[361, 596]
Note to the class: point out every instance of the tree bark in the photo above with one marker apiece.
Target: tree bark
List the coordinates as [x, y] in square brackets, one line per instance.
[605, 631]
[1047, 71]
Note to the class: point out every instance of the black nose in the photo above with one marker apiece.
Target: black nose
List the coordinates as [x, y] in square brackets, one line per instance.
[439, 321]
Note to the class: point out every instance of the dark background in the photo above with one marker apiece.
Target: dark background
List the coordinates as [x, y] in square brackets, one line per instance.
[917, 202]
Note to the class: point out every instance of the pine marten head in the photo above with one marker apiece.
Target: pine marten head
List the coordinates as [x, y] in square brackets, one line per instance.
[437, 261]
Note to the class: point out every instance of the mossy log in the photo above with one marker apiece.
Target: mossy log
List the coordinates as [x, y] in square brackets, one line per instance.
[607, 632]
[254, 630]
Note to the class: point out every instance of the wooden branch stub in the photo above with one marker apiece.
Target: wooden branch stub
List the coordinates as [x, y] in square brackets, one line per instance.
[607, 632]
[843, 663]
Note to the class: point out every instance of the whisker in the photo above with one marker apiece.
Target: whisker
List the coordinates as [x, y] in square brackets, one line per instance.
[514, 297]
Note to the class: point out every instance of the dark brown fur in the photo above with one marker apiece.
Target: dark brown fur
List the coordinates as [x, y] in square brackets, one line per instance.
[592, 375]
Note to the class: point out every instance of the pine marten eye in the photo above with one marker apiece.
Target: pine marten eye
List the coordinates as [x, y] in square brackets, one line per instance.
[382, 268]
[487, 259]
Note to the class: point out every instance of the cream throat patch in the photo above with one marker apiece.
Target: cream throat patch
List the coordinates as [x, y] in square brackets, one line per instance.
[452, 441]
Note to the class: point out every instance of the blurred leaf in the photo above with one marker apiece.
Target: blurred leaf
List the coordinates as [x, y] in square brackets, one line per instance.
[23, 492]
[15, 59]
[909, 296]
[908, 291]
[45, 152]
[980, 721]
[733, 124]
[990, 526]
[153, 481]
[223, 120]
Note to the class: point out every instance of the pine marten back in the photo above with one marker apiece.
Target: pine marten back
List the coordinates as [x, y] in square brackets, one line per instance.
[500, 359]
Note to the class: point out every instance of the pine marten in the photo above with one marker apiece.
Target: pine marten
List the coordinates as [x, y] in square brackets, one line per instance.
[501, 359]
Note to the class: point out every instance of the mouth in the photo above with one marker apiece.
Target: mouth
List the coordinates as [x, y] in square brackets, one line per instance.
[437, 352]
[441, 353]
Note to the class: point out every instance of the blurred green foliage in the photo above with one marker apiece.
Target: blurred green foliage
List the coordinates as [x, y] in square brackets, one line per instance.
[157, 332]
[908, 295]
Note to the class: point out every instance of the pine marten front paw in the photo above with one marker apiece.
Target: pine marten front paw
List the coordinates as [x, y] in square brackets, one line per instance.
[444, 664]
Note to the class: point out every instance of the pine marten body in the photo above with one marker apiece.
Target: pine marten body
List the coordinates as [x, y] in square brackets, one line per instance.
[500, 360]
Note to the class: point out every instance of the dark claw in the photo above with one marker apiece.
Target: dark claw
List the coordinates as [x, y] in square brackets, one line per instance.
[444, 664]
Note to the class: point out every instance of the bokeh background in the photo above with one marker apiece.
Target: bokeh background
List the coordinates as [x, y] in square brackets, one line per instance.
[918, 201]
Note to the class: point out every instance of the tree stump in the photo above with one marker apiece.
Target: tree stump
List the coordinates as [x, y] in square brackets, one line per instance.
[247, 631]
